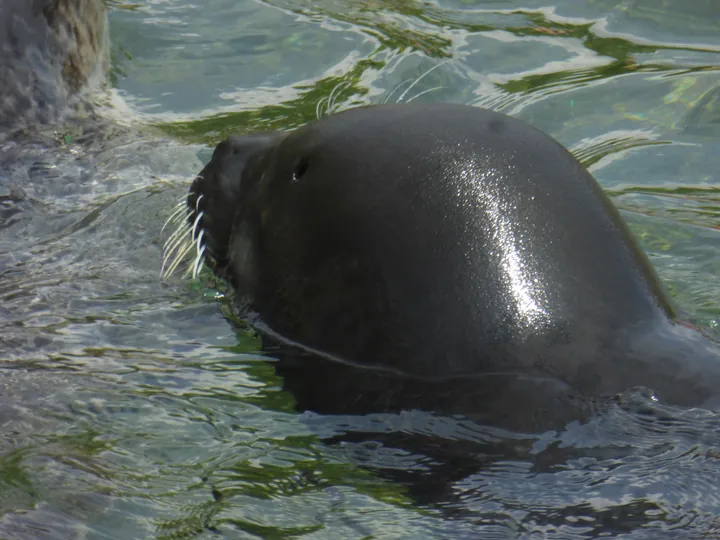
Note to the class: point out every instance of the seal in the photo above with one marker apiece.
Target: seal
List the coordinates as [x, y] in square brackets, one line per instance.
[51, 53]
[446, 244]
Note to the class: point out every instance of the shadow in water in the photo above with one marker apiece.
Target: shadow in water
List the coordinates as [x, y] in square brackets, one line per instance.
[463, 446]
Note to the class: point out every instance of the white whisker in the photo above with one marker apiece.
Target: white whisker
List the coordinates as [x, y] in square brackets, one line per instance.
[198, 263]
[170, 255]
[394, 90]
[194, 227]
[179, 232]
[335, 94]
[178, 241]
[329, 101]
[179, 258]
[184, 238]
[173, 217]
[318, 107]
[162, 267]
[424, 92]
[420, 78]
[198, 242]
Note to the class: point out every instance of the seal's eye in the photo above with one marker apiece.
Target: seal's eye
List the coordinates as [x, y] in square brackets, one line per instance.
[300, 170]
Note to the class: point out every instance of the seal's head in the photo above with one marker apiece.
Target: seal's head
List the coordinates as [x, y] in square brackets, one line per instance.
[50, 52]
[434, 240]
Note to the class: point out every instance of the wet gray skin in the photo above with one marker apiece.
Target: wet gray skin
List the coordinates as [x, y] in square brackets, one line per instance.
[438, 242]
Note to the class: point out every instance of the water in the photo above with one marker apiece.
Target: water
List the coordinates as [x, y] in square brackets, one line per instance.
[135, 408]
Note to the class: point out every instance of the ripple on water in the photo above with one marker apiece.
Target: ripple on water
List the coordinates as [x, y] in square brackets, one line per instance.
[130, 408]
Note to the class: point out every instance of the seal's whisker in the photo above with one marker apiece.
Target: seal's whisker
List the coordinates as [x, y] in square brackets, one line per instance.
[195, 224]
[318, 107]
[182, 202]
[179, 239]
[170, 256]
[330, 101]
[179, 232]
[182, 229]
[179, 258]
[420, 78]
[424, 92]
[394, 90]
[199, 260]
[199, 242]
[183, 240]
[335, 94]
[175, 215]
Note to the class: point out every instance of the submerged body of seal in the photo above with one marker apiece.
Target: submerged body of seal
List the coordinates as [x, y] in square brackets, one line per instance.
[444, 243]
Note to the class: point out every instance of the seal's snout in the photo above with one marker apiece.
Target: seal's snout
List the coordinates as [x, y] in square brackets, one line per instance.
[216, 194]
[211, 205]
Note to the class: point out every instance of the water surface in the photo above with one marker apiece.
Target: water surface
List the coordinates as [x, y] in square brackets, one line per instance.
[133, 408]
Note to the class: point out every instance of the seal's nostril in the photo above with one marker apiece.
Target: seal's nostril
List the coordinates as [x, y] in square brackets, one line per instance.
[196, 185]
[300, 170]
